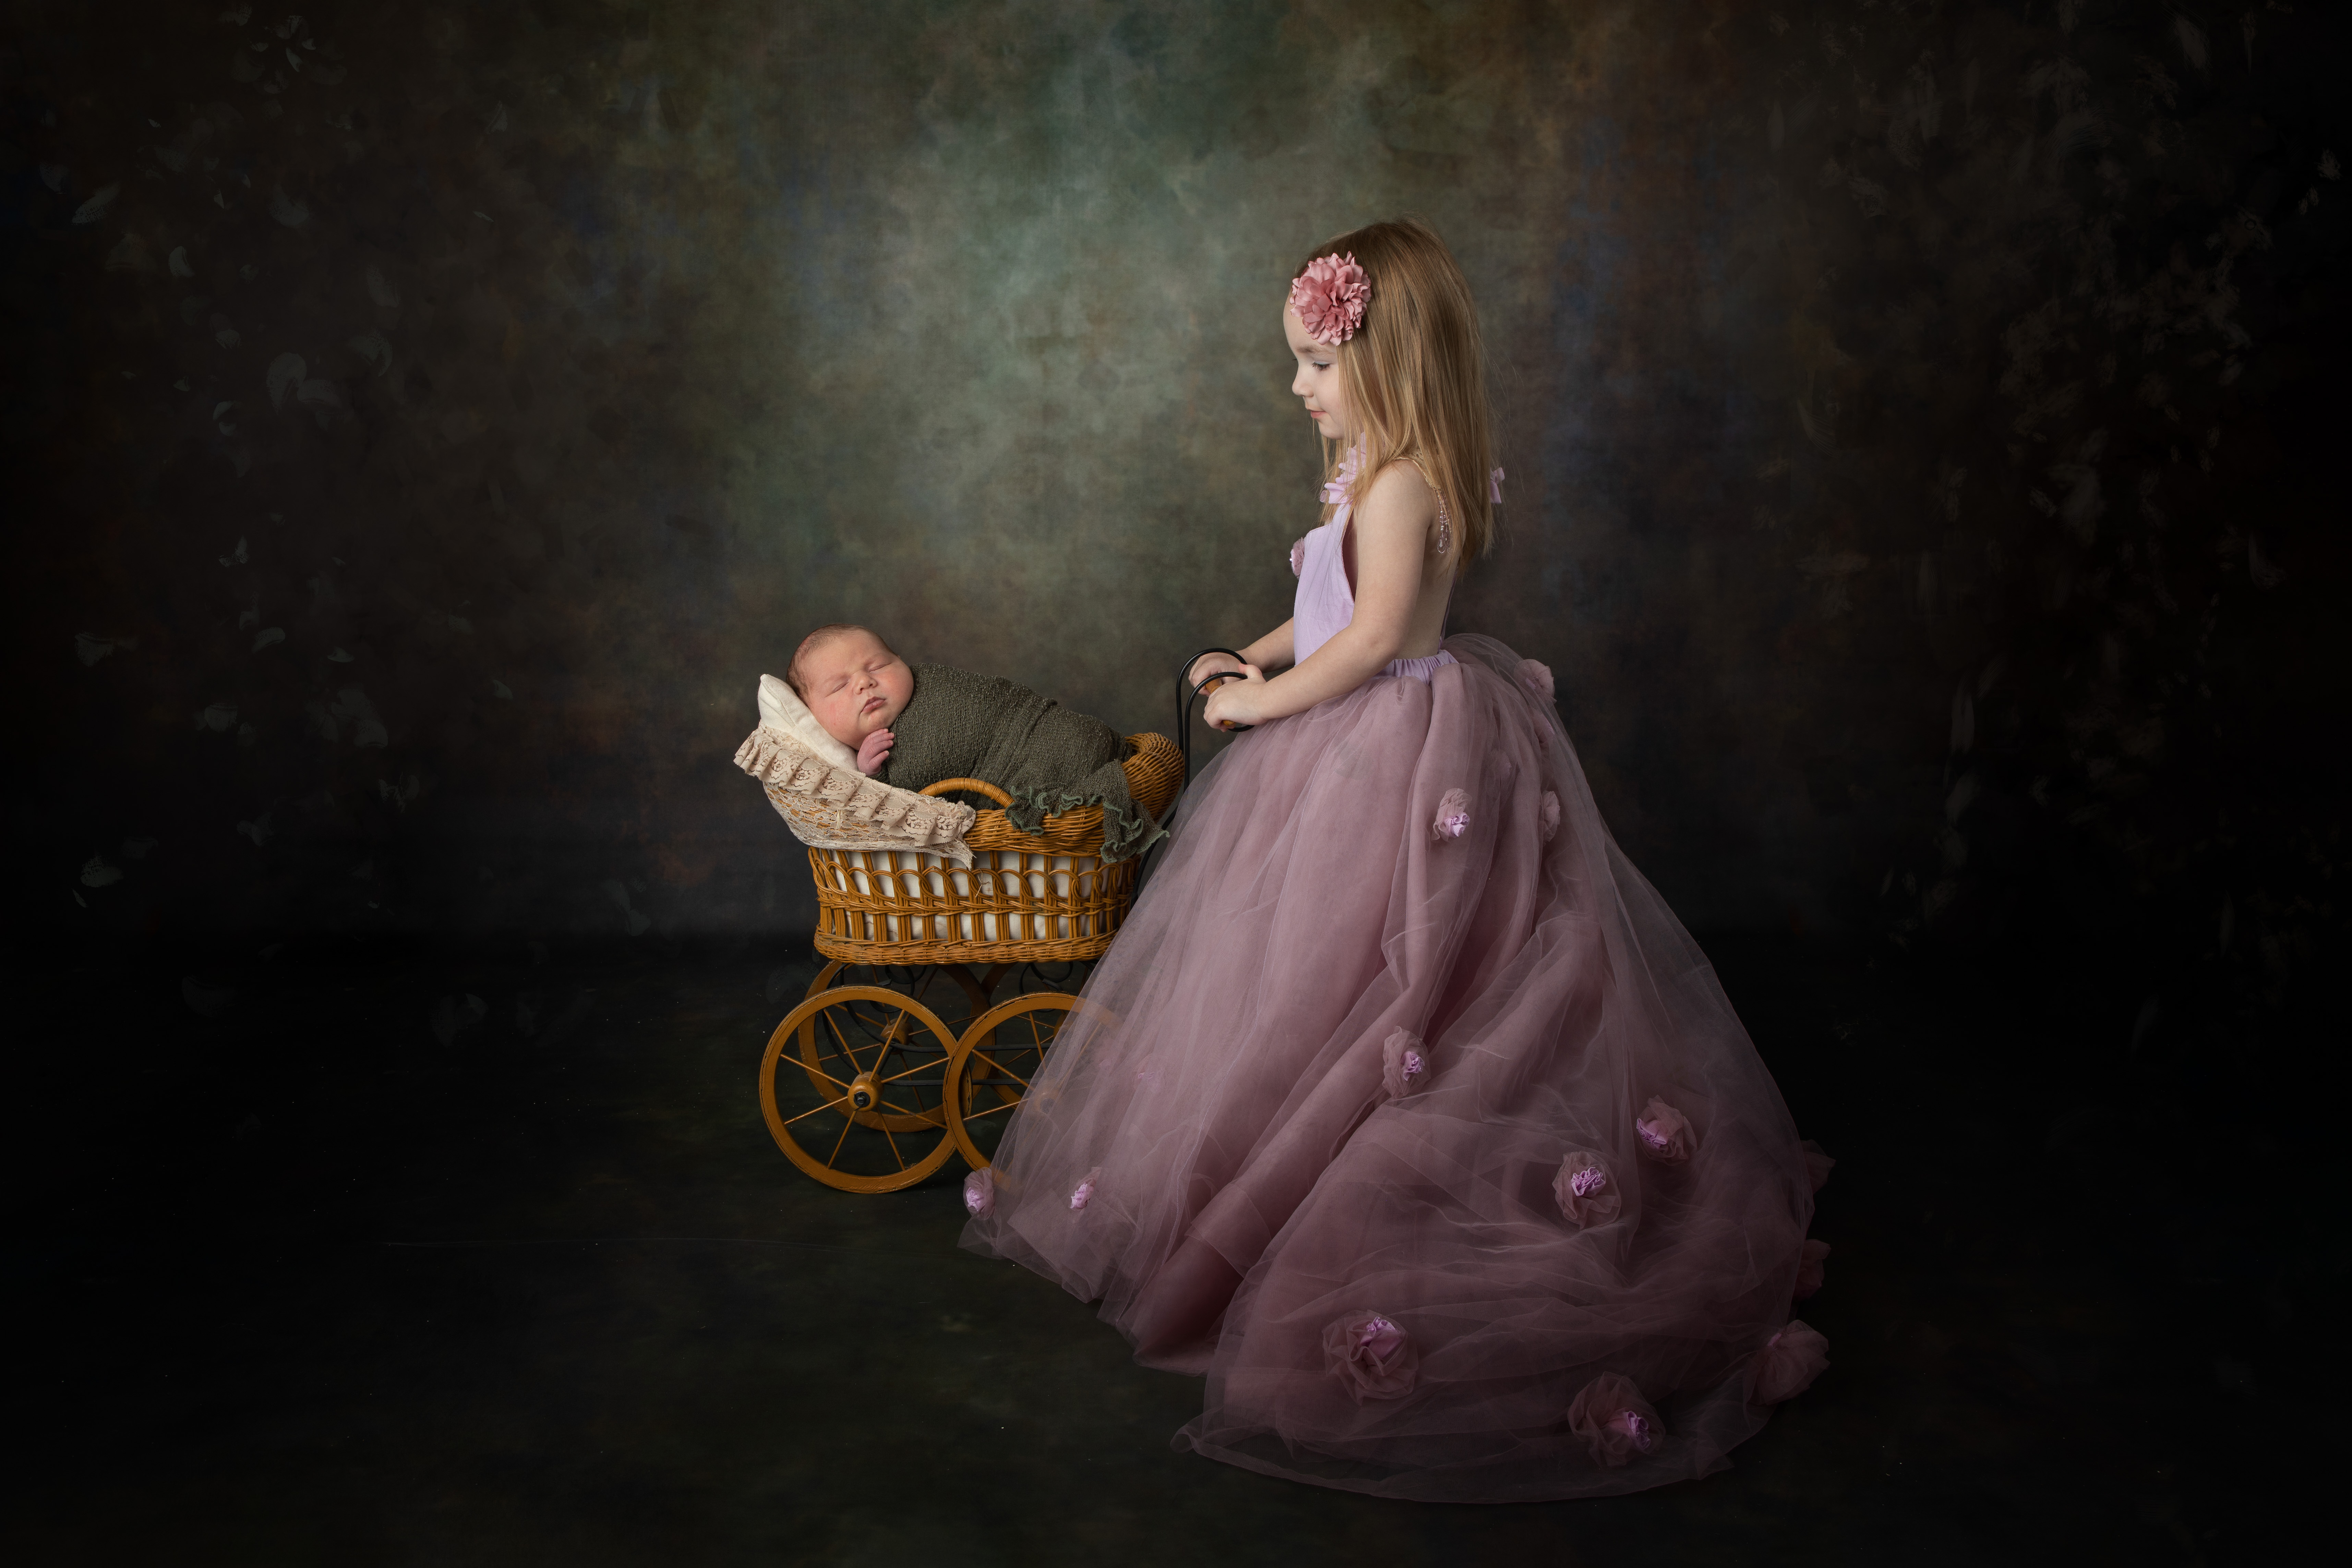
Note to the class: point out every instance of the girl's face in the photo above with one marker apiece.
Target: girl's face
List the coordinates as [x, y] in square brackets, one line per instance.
[1319, 382]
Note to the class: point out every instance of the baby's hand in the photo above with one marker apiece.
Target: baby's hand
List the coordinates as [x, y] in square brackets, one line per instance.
[874, 751]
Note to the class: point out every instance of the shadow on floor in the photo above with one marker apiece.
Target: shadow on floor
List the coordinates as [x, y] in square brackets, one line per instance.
[298, 1280]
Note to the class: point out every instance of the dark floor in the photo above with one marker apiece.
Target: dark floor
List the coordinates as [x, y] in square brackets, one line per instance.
[301, 1282]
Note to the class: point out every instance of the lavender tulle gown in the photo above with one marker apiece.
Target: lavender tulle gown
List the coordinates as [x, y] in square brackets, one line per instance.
[1390, 1002]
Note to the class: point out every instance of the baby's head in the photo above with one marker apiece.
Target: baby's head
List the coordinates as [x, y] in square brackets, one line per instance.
[850, 680]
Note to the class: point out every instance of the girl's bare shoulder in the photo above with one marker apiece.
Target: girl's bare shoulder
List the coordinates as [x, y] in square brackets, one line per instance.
[1399, 500]
[1400, 490]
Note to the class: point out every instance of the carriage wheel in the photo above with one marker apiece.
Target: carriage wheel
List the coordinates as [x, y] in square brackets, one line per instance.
[998, 1058]
[870, 1114]
[955, 1005]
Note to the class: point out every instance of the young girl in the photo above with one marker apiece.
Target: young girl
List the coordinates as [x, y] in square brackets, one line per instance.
[1403, 1108]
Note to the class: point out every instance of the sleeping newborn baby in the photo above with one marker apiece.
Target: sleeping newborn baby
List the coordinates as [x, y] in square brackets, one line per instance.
[912, 725]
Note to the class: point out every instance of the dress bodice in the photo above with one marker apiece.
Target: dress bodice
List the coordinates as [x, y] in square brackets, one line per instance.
[1325, 602]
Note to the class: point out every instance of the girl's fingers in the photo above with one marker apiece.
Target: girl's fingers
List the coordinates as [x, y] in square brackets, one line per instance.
[1217, 665]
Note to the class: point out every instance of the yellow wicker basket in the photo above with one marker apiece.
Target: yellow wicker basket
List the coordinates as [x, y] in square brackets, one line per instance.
[1025, 898]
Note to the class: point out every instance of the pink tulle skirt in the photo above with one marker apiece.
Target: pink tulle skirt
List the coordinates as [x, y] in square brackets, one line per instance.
[1406, 1111]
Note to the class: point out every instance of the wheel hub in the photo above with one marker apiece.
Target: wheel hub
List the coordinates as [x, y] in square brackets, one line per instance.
[864, 1092]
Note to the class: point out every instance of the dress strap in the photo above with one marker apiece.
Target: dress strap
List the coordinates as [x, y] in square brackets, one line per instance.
[1444, 523]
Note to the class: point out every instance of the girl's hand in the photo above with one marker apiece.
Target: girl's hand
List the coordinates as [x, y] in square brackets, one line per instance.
[1237, 701]
[1209, 665]
[874, 751]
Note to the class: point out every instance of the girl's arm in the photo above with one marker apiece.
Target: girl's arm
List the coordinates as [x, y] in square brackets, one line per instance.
[1391, 529]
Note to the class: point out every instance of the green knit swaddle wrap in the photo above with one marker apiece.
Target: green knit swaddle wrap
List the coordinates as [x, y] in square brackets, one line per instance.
[959, 724]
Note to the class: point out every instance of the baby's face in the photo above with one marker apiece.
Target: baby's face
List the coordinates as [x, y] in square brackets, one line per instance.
[856, 686]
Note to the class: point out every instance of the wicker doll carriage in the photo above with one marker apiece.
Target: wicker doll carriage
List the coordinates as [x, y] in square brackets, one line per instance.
[901, 1055]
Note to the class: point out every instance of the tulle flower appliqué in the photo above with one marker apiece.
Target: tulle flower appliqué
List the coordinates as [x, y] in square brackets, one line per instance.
[1550, 816]
[979, 1193]
[1404, 1063]
[1614, 1420]
[1371, 1355]
[1452, 817]
[1297, 557]
[1808, 1267]
[1786, 1365]
[1336, 488]
[1536, 676]
[1665, 1133]
[1084, 1192]
[1585, 1194]
[1331, 296]
[1817, 1163]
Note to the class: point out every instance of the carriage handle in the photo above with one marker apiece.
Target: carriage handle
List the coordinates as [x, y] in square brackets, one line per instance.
[977, 785]
[1185, 701]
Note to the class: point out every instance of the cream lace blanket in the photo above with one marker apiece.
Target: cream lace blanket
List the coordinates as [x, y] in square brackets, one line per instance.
[829, 807]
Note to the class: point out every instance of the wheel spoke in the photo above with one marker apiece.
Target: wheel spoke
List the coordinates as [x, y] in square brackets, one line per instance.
[842, 1040]
[834, 1104]
[847, 1123]
[840, 1083]
[1001, 1068]
[918, 1067]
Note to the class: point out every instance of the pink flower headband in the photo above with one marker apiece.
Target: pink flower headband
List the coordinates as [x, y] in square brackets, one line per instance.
[1329, 297]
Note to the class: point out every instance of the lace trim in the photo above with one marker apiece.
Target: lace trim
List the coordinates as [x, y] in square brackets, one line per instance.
[831, 807]
[1444, 523]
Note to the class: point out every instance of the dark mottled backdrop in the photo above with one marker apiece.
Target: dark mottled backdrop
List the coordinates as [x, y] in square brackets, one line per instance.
[425, 423]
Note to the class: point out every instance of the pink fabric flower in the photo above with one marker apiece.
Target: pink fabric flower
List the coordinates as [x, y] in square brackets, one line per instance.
[1614, 1420]
[1297, 557]
[1786, 1365]
[1817, 1163]
[1583, 1190]
[1665, 1133]
[1343, 479]
[1536, 674]
[1404, 1063]
[979, 1193]
[1081, 1194]
[1453, 816]
[1331, 296]
[1808, 1267]
[1371, 1355]
[1550, 816]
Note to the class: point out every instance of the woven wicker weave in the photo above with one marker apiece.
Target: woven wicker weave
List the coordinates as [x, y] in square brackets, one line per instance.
[1026, 897]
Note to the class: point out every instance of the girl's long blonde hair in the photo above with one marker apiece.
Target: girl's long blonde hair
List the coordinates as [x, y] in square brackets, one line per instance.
[1416, 373]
